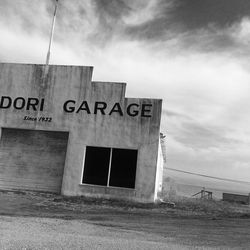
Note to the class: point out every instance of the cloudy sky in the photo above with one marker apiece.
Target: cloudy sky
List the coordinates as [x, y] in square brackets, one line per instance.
[194, 54]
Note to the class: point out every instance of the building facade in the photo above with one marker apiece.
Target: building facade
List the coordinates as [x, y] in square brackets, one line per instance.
[61, 132]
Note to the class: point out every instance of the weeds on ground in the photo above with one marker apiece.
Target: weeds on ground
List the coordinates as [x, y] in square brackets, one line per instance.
[103, 201]
[184, 207]
[212, 207]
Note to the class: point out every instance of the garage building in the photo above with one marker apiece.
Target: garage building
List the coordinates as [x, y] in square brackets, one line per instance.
[63, 133]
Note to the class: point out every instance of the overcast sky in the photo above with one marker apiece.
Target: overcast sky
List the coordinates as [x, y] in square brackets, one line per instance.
[193, 54]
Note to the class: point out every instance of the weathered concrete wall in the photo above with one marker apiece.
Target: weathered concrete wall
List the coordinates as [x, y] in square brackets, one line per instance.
[32, 159]
[64, 83]
[159, 173]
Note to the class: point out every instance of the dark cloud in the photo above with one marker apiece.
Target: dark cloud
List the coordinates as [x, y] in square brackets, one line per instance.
[196, 14]
[190, 15]
[196, 24]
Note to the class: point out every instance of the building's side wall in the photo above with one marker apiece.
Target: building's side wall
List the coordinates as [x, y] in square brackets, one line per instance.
[110, 130]
[159, 173]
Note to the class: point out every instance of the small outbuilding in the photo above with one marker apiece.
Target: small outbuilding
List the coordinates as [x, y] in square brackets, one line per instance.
[63, 133]
[237, 198]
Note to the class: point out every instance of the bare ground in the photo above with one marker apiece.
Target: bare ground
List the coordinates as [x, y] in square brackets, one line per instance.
[45, 221]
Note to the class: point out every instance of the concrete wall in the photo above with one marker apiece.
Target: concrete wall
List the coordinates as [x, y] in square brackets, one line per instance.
[32, 159]
[159, 173]
[64, 83]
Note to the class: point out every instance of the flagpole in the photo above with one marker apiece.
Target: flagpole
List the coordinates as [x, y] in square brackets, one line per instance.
[51, 34]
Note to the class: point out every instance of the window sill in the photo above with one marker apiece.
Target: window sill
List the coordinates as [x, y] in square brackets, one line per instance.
[108, 187]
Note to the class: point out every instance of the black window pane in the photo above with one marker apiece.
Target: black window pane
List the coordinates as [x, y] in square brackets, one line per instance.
[96, 166]
[123, 168]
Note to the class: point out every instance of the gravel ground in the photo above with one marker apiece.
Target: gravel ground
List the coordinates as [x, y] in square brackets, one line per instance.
[41, 221]
[47, 233]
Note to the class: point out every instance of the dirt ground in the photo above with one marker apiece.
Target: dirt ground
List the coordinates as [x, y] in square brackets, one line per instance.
[45, 221]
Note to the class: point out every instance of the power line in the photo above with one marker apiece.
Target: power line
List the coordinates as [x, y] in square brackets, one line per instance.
[208, 176]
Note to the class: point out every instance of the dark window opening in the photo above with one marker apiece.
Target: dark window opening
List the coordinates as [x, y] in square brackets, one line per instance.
[110, 167]
[123, 168]
[96, 166]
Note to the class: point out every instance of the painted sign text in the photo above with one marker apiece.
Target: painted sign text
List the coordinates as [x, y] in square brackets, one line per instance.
[72, 106]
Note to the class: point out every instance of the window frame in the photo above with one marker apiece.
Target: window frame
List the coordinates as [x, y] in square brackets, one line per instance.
[109, 171]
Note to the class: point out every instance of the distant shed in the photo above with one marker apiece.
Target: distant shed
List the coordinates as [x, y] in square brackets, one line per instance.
[238, 198]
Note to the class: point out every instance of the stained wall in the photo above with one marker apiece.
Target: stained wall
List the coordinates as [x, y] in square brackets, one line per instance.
[63, 99]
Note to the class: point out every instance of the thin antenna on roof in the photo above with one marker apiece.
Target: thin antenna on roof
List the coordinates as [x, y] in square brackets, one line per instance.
[51, 34]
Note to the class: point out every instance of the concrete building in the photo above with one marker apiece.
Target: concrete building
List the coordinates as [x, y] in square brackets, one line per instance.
[61, 132]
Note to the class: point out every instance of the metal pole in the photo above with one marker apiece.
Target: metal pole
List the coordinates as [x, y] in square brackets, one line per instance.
[51, 33]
